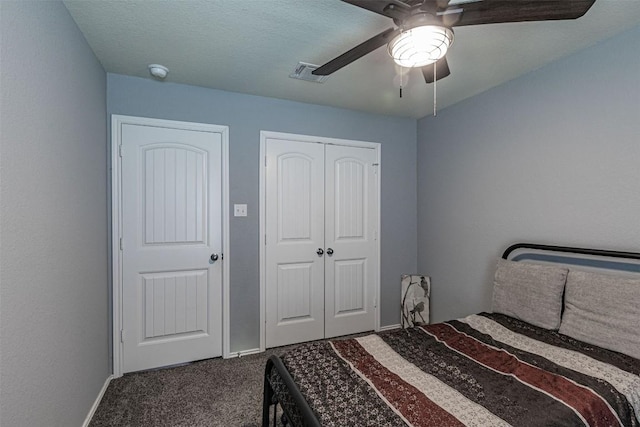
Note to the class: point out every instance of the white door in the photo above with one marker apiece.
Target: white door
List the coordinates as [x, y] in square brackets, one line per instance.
[171, 227]
[321, 253]
[295, 234]
[350, 233]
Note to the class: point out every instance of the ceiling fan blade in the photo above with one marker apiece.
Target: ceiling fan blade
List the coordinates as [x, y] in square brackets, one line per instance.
[394, 9]
[498, 11]
[357, 52]
[442, 70]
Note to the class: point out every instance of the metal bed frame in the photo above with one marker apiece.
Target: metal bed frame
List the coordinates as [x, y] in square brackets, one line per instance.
[300, 413]
[571, 250]
[304, 413]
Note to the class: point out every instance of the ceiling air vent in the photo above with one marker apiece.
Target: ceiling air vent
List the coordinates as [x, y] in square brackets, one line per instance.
[303, 72]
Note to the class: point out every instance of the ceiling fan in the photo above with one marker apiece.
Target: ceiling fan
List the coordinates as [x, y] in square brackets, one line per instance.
[424, 29]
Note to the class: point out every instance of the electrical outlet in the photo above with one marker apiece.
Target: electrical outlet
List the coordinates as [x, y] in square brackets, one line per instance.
[239, 210]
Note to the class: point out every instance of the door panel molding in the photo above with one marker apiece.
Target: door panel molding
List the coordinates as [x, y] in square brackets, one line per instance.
[117, 123]
[350, 233]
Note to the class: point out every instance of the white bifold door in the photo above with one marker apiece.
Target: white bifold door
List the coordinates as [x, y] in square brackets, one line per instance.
[171, 246]
[321, 218]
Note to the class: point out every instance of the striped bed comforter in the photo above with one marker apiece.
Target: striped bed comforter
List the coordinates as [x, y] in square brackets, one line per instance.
[483, 370]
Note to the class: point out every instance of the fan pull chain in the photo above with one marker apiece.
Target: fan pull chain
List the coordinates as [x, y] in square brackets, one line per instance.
[401, 70]
[435, 90]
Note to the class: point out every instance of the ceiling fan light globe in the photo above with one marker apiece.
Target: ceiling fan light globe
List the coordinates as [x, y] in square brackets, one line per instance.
[420, 46]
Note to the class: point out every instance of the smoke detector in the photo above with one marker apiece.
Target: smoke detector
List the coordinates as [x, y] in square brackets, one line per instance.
[158, 71]
[303, 72]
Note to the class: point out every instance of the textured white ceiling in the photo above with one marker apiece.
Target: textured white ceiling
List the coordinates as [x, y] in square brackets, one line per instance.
[251, 46]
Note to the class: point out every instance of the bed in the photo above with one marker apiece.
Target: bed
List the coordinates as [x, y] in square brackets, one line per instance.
[561, 347]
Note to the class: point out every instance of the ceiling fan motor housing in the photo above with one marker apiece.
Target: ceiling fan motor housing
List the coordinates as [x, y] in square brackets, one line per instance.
[420, 19]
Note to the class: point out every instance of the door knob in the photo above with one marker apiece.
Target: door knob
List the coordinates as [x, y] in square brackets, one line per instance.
[319, 251]
[329, 251]
[214, 257]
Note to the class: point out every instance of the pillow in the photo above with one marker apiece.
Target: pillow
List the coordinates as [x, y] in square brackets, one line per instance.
[603, 310]
[529, 292]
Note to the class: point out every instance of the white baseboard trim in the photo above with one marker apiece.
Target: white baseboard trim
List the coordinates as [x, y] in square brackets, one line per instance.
[389, 327]
[243, 353]
[92, 411]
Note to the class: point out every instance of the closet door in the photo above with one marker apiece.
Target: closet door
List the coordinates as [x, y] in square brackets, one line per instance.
[350, 239]
[294, 242]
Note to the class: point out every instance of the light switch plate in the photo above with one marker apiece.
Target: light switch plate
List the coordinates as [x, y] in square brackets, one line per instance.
[239, 210]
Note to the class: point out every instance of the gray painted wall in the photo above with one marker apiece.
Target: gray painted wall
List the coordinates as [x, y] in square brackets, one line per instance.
[53, 219]
[551, 157]
[246, 116]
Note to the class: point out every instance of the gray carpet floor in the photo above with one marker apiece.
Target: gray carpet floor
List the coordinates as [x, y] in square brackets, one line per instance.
[213, 392]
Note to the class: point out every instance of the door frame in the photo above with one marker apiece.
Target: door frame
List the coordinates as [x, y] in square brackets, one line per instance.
[264, 135]
[116, 223]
